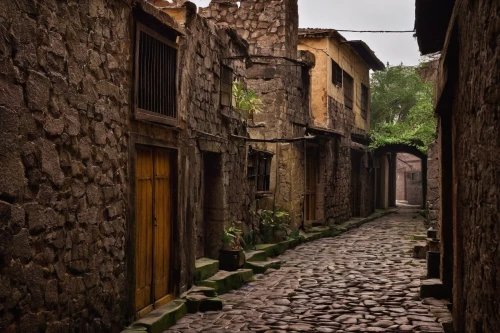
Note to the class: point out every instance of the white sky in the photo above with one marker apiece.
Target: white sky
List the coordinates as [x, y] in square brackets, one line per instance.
[364, 15]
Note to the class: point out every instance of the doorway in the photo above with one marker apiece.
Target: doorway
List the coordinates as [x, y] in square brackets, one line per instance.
[210, 227]
[356, 157]
[312, 165]
[153, 216]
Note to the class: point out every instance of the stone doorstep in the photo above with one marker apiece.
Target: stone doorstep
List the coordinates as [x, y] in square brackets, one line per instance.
[205, 268]
[160, 319]
[432, 288]
[259, 267]
[223, 281]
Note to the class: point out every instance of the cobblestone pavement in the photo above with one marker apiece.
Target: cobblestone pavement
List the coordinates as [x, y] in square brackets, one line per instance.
[362, 281]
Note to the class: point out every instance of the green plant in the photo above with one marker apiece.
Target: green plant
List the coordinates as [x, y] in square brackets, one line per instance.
[232, 237]
[402, 108]
[272, 221]
[248, 241]
[295, 235]
[246, 99]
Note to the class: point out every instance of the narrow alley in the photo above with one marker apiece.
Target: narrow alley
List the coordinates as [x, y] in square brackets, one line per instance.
[363, 280]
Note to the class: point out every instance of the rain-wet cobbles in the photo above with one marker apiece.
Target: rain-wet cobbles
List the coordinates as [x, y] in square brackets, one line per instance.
[364, 280]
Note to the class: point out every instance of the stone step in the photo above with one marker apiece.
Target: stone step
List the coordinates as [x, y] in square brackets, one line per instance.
[160, 319]
[259, 267]
[433, 288]
[207, 291]
[256, 256]
[205, 268]
[224, 281]
[273, 250]
[201, 303]
[312, 236]
[419, 237]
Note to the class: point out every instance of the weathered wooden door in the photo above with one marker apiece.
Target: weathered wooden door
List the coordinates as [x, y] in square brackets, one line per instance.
[311, 182]
[153, 227]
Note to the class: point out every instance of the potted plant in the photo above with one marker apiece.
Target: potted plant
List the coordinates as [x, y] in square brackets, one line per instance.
[231, 256]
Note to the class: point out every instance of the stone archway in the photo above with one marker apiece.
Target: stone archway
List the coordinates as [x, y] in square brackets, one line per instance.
[390, 151]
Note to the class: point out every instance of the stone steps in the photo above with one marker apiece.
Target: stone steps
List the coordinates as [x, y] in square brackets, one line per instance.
[224, 281]
[211, 282]
[260, 267]
[205, 268]
[160, 319]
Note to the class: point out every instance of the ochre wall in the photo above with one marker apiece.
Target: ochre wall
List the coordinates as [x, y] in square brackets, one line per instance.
[325, 49]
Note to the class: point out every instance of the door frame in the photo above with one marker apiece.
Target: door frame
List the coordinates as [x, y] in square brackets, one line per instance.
[130, 233]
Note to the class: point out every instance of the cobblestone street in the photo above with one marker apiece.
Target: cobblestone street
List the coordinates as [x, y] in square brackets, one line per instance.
[362, 281]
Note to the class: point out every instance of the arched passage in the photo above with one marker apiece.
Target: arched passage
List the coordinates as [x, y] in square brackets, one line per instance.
[385, 180]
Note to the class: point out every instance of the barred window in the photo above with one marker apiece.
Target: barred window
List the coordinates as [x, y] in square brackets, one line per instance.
[226, 86]
[336, 74]
[348, 90]
[364, 100]
[156, 72]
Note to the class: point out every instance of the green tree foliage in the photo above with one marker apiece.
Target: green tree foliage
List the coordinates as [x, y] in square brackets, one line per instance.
[402, 108]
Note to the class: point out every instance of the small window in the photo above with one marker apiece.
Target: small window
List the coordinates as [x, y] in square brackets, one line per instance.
[336, 74]
[226, 86]
[259, 169]
[416, 176]
[348, 90]
[156, 71]
[364, 101]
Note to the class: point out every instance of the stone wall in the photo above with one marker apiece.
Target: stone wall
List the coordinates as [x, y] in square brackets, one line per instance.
[280, 77]
[63, 164]
[210, 126]
[270, 26]
[66, 161]
[474, 99]
[432, 201]
[337, 200]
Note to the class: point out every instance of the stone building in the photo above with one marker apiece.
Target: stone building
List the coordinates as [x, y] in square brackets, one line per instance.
[117, 143]
[279, 74]
[467, 99]
[409, 179]
[340, 117]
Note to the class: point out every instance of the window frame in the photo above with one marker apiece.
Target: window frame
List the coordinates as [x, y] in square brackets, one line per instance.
[351, 84]
[365, 93]
[148, 115]
[260, 171]
[336, 72]
[226, 84]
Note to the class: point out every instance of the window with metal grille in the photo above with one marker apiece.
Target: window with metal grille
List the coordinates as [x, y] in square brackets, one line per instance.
[348, 90]
[259, 168]
[336, 74]
[364, 100]
[226, 86]
[156, 72]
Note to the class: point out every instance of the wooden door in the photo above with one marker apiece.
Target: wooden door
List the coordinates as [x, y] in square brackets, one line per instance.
[153, 228]
[311, 182]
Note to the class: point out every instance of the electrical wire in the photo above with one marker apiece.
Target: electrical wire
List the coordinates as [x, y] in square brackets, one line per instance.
[378, 31]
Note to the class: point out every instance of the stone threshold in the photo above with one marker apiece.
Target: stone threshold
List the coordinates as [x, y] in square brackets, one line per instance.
[211, 282]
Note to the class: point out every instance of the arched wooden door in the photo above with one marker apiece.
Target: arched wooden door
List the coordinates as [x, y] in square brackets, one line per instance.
[153, 228]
